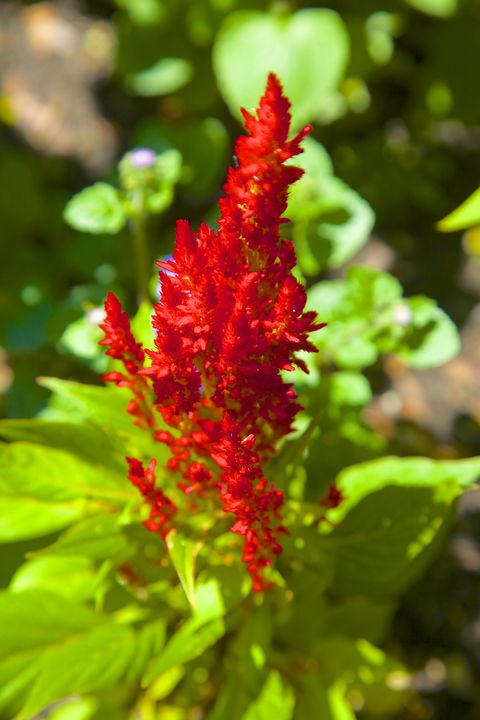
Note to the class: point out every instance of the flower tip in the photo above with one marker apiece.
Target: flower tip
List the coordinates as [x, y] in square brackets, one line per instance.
[273, 83]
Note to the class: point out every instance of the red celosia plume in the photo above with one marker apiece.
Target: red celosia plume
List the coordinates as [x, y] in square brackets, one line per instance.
[230, 319]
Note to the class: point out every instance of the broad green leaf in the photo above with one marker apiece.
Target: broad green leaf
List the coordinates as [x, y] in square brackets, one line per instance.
[43, 489]
[331, 221]
[51, 474]
[209, 599]
[358, 617]
[276, 700]
[84, 440]
[308, 50]
[93, 661]
[102, 406]
[431, 338]
[465, 216]
[24, 516]
[37, 619]
[17, 673]
[356, 353]
[395, 515]
[165, 76]
[349, 388]
[183, 553]
[437, 8]
[80, 339]
[366, 316]
[347, 237]
[73, 576]
[97, 209]
[190, 641]
[81, 708]
[149, 643]
[326, 298]
[358, 481]
[97, 537]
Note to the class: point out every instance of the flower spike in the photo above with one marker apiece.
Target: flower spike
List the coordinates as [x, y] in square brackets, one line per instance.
[229, 320]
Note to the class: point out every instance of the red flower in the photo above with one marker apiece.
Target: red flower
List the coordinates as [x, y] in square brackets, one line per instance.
[230, 319]
[122, 346]
[162, 509]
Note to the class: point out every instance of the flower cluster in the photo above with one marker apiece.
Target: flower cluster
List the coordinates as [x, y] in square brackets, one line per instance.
[230, 318]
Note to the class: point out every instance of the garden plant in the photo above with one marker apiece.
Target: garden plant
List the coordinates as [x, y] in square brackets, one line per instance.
[205, 519]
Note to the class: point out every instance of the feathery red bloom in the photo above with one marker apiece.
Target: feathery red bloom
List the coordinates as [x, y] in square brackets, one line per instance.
[162, 509]
[230, 319]
[123, 346]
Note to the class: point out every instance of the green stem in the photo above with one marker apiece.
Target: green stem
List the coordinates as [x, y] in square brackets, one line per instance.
[140, 244]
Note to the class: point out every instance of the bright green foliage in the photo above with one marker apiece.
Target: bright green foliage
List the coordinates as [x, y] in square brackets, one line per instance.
[331, 221]
[366, 315]
[164, 77]
[97, 209]
[438, 8]
[308, 50]
[101, 208]
[465, 216]
[99, 619]
[345, 579]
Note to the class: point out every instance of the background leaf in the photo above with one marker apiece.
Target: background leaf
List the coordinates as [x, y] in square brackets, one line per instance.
[97, 209]
[308, 50]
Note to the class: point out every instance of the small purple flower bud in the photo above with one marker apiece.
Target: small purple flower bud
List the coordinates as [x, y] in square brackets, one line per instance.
[142, 158]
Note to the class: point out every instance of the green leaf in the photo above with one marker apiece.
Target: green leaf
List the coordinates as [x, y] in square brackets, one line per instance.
[326, 298]
[104, 407]
[437, 8]
[72, 576]
[308, 50]
[358, 481]
[43, 489]
[210, 596]
[81, 338]
[37, 619]
[465, 216]
[23, 517]
[97, 537]
[431, 338]
[164, 77]
[396, 513]
[51, 474]
[91, 662]
[144, 12]
[74, 709]
[183, 553]
[84, 440]
[355, 353]
[97, 210]
[318, 700]
[193, 638]
[332, 222]
[149, 643]
[276, 700]
[349, 388]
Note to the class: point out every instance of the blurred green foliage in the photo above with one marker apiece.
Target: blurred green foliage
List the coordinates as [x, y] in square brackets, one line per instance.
[390, 90]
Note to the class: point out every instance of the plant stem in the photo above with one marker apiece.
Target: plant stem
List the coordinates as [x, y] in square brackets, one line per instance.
[140, 243]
